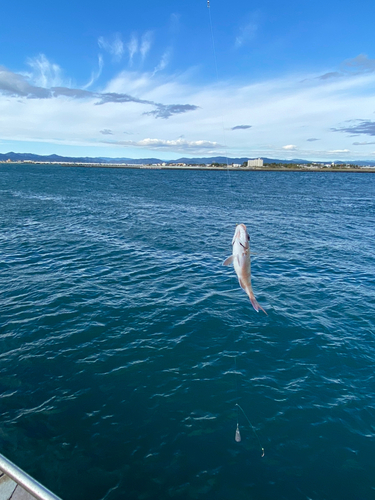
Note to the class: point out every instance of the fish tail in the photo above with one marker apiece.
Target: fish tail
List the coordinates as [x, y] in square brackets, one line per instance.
[255, 304]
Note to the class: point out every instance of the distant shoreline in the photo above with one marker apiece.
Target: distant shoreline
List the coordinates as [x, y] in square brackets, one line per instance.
[195, 167]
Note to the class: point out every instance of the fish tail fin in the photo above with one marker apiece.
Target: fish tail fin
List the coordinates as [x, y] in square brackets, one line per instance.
[255, 304]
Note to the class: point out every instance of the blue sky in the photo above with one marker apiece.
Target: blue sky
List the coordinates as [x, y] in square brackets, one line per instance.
[141, 79]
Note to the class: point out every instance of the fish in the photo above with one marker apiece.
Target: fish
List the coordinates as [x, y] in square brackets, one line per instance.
[240, 259]
[237, 436]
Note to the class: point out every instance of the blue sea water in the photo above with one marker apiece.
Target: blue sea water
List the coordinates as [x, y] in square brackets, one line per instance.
[125, 345]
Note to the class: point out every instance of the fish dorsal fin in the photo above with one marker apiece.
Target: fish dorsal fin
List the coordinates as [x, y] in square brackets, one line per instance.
[228, 261]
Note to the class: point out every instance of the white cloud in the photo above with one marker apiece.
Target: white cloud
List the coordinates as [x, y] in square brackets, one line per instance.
[113, 46]
[281, 111]
[178, 142]
[136, 45]
[247, 31]
[246, 34]
[44, 73]
[145, 44]
[164, 61]
[132, 47]
[336, 151]
[116, 47]
[95, 74]
[180, 145]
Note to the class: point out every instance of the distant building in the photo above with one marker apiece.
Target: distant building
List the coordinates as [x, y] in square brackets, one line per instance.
[255, 163]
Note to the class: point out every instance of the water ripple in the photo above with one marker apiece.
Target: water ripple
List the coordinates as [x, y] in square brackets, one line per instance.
[125, 344]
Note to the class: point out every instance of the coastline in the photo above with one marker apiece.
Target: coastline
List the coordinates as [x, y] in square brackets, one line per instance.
[197, 167]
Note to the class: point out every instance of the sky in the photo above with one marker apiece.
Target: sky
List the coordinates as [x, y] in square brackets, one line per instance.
[170, 79]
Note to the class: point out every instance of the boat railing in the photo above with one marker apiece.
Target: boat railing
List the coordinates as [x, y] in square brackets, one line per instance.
[27, 482]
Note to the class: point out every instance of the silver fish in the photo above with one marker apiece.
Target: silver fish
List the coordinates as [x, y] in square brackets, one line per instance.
[241, 262]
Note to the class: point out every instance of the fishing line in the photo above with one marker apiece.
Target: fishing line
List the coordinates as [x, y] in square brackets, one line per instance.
[238, 435]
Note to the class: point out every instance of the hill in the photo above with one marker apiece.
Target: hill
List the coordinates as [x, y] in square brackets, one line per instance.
[15, 157]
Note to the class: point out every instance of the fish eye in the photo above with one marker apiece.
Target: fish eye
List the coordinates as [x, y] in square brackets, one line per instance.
[248, 237]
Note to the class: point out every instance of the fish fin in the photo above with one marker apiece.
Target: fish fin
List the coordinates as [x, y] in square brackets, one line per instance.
[255, 304]
[228, 261]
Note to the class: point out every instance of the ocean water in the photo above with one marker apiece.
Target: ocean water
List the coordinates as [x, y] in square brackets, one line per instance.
[125, 345]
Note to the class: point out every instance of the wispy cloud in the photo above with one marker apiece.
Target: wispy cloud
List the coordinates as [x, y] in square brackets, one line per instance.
[362, 127]
[135, 46]
[161, 111]
[145, 44]
[246, 34]
[95, 74]
[241, 127]
[16, 85]
[167, 110]
[113, 46]
[55, 92]
[331, 74]
[361, 64]
[116, 98]
[247, 31]
[44, 73]
[362, 143]
[163, 62]
[287, 113]
[132, 47]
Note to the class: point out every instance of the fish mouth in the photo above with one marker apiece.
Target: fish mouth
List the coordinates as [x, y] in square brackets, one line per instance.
[241, 235]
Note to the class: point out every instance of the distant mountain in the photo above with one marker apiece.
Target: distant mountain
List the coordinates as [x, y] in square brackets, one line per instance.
[146, 161]
[129, 161]
[53, 158]
[70, 159]
[132, 161]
